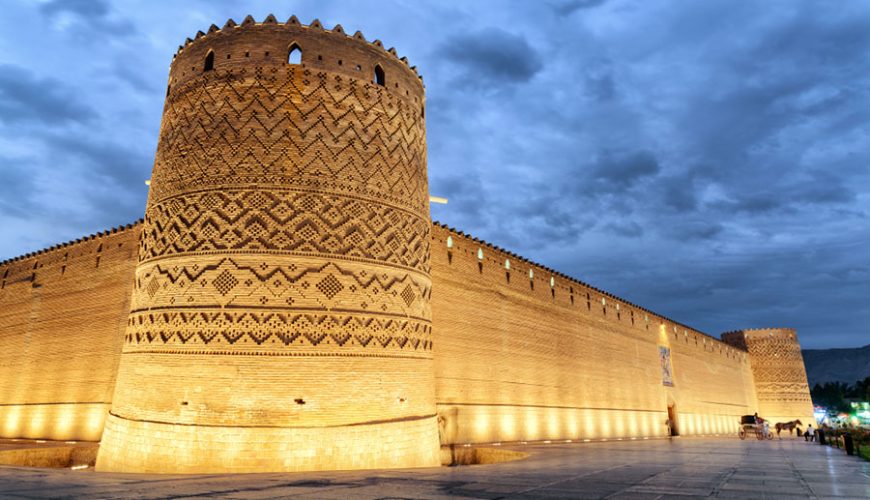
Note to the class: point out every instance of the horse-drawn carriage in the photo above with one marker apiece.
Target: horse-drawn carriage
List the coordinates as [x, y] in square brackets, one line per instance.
[750, 424]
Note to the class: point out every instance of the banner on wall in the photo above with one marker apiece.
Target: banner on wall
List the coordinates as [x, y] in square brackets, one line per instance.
[667, 373]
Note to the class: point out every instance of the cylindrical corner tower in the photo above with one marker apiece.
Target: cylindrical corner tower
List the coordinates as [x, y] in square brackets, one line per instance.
[280, 315]
[779, 373]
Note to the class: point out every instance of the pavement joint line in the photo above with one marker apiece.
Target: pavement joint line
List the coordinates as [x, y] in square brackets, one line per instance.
[801, 478]
[635, 485]
[578, 476]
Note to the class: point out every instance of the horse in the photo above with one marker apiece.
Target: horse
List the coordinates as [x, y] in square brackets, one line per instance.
[789, 426]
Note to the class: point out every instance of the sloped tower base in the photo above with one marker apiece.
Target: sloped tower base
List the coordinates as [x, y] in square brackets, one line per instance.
[172, 448]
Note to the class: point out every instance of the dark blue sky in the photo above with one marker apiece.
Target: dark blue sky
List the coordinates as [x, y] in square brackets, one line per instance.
[707, 160]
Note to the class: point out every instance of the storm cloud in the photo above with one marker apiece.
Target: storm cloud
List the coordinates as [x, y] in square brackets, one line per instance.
[707, 160]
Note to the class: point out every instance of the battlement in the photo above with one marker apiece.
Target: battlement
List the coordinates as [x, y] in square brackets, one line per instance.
[272, 43]
[77, 241]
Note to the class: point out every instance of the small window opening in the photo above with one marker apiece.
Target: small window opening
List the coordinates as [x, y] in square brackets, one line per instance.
[380, 78]
[358, 67]
[209, 62]
[339, 62]
[319, 57]
[168, 87]
[422, 111]
[228, 56]
[247, 54]
[507, 276]
[294, 55]
[267, 54]
[299, 401]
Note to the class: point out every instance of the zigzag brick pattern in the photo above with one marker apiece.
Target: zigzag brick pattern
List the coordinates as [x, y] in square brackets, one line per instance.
[282, 289]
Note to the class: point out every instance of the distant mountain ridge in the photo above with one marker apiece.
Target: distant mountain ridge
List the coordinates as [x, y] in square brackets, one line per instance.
[837, 365]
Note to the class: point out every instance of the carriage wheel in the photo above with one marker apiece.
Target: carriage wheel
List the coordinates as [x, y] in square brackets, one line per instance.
[742, 433]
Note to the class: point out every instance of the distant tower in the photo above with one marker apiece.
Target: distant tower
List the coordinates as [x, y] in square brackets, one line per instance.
[280, 315]
[779, 373]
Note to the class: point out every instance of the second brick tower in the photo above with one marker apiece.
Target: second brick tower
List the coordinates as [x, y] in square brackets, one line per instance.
[280, 314]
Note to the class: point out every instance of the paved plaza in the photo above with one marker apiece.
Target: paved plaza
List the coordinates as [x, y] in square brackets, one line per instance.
[678, 468]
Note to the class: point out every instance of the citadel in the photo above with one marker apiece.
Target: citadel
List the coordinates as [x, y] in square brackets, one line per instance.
[287, 304]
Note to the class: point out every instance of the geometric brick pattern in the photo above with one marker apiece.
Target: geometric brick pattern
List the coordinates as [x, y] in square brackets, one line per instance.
[273, 221]
[288, 125]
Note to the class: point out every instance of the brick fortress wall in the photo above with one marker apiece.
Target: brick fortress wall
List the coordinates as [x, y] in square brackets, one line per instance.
[281, 296]
[62, 317]
[280, 315]
[779, 372]
[520, 358]
[513, 362]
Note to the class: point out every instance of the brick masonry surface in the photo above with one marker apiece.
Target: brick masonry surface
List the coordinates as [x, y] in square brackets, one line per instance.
[286, 304]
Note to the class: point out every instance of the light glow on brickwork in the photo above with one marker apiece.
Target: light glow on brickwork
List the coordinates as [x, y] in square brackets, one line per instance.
[259, 338]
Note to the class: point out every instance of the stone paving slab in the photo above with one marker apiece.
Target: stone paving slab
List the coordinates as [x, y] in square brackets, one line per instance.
[679, 469]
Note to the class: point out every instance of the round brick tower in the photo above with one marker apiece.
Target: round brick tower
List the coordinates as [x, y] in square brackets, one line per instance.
[779, 373]
[280, 314]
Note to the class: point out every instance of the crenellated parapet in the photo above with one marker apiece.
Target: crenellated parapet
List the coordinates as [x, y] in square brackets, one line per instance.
[52, 261]
[267, 45]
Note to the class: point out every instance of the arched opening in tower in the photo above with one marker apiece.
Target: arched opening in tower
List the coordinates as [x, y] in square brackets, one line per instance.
[380, 78]
[209, 62]
[294, 54]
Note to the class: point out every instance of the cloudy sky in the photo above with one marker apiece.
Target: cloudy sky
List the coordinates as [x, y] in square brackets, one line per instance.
[707, 160]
